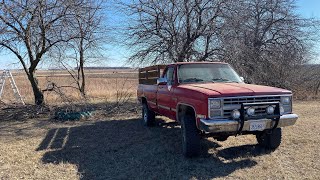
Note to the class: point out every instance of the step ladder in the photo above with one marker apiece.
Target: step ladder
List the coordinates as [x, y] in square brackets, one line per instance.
[7, 74]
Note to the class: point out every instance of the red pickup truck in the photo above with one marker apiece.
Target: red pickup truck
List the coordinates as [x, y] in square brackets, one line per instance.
[209, 98]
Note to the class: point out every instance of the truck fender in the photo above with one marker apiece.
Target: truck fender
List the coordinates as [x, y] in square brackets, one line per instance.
[183, 108]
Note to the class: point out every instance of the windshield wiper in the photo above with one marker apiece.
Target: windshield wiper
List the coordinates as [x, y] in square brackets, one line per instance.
[223, 80]
[192, 80]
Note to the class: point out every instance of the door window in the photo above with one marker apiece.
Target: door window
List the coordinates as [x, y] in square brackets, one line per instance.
[170, 76]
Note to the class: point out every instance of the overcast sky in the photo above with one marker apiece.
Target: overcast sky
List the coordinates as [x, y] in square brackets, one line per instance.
[117, 54]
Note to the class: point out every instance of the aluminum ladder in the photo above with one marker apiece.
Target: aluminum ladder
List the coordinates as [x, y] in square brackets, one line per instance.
[7, 74]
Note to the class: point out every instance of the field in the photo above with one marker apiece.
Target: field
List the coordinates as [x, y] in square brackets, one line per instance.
[113, 144]
[102, 86]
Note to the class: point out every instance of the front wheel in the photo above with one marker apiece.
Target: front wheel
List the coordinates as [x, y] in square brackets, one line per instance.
[270, 139]
[190, 137]
[148, 116]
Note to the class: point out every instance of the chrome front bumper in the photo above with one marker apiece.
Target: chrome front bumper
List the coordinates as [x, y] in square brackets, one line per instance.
[226, 125]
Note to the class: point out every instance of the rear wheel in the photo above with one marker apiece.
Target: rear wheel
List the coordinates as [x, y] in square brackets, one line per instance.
[148, 116]
[270, 139]
[190, 137]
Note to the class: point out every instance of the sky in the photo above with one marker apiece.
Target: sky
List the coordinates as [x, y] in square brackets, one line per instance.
[309, 8]
[117, 54]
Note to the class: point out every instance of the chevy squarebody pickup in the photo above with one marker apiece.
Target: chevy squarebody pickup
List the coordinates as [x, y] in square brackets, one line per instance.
[211, 99]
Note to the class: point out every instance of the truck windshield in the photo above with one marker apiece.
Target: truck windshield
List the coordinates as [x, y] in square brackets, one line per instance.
[191, 73]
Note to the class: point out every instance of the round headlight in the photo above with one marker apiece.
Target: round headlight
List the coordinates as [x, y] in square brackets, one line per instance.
[270, 110]
[250, 111]
[235, 114]
[281, 110]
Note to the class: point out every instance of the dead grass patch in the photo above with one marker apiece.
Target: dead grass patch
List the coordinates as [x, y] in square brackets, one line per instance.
[116, 146]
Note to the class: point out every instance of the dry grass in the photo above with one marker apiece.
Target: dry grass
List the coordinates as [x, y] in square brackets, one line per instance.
[102, 86]
[117, 146]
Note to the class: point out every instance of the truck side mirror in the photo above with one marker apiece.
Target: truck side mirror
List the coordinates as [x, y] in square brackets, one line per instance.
[247, 81]
[162, 81]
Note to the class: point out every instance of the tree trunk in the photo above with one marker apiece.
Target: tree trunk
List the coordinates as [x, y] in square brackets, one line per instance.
[38, 95]
[83, 82]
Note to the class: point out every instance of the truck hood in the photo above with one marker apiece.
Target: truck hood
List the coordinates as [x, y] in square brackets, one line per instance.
[235, 89]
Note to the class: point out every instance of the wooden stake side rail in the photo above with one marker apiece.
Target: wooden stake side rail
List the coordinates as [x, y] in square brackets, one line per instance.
[149, 75]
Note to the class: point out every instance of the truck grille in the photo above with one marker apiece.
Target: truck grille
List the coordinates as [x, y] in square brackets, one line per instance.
[229, 104]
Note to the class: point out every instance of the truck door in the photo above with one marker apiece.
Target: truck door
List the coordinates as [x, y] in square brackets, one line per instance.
[165, 103]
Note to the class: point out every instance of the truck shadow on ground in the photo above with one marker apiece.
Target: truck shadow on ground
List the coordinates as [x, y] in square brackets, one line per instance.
[124, 149]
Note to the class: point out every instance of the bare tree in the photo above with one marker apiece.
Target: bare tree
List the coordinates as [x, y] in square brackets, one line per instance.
[266, 40]
[307, 81]
[175, 30]
[30, 28]
[89, 29]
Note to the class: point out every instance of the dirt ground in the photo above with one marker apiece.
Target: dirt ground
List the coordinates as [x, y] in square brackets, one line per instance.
[115, 145]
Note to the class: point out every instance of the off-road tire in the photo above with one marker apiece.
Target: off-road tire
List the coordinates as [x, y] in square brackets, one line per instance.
[148, 116]
[190, 137]
[270, 140]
